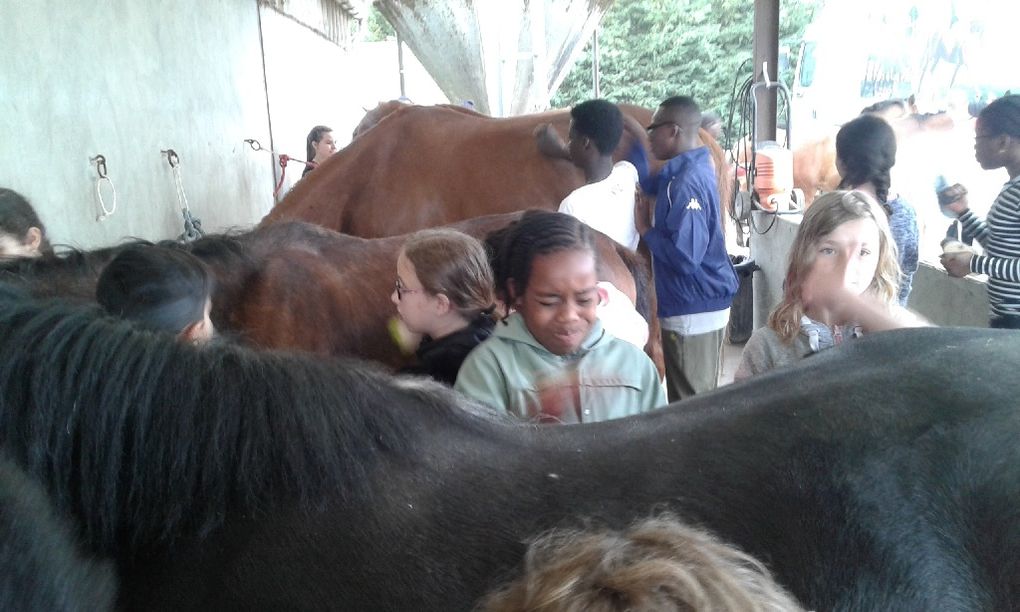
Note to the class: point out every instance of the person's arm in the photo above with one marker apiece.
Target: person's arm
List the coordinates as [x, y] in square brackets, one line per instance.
[638, 157]
[682, 240]
[825, 299]
[481, 378]
[972, 224]
[652, 394]
[1003, 268]
[1008, 215]
[549, 142]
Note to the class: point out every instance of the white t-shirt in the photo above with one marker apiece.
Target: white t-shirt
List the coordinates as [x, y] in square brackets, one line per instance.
[608, 205]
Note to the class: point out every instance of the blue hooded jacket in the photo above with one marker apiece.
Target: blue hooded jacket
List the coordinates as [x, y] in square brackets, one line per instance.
[693, 273]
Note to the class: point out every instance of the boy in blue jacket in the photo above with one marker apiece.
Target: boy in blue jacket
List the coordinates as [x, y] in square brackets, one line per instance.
[694, 278]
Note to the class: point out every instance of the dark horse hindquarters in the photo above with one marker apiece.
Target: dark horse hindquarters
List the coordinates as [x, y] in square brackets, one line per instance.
[862, 484]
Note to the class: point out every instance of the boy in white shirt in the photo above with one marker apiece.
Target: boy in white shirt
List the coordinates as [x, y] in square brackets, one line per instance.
[606, 201]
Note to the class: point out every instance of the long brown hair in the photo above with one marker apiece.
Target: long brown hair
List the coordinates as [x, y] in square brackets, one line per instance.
[452, 263]
[825, 214]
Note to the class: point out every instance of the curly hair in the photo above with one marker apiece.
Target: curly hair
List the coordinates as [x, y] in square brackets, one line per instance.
[601, 121]
[825, 214]
[538, 232]
[658, 564]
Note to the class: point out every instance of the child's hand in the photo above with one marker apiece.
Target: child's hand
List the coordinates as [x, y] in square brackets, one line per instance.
[825, 298]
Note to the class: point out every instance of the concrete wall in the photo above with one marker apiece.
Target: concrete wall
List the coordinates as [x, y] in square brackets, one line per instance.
[126, 79]
[942, 299]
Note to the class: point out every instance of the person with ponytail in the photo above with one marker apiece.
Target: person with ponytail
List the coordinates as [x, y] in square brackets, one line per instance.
[319, 146]
[865, 155]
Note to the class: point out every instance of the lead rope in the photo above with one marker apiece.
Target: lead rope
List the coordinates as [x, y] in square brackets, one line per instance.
[192, 225]
[284, 159]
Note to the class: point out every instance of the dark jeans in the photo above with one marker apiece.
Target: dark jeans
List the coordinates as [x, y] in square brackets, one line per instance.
[1009, 322]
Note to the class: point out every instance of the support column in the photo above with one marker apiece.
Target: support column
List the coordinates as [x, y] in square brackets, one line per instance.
[766, 50]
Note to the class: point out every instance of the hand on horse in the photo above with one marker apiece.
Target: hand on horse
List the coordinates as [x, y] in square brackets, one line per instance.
[549, 142]
[957, 264]
[633, 127]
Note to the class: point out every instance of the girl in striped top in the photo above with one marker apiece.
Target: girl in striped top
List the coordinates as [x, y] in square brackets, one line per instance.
[996, 145]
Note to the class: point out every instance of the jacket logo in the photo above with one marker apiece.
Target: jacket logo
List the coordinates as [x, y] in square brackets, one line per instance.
[694, 204]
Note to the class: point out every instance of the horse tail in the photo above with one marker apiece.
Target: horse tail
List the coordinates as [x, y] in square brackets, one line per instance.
[638, 264]
[722, 174]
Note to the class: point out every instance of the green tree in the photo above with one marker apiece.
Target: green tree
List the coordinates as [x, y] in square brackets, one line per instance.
[652, 49]
[376, 26]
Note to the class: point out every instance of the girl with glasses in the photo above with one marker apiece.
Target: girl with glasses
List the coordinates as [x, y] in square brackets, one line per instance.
[444, 291]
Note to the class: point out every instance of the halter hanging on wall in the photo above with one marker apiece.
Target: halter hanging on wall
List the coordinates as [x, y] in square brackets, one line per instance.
[100, 162]
[192, 225]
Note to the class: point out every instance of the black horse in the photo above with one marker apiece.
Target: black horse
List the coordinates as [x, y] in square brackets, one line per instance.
[882, 475]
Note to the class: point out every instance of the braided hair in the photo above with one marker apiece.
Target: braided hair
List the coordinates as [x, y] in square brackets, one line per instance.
[866, 146]
[538, 232]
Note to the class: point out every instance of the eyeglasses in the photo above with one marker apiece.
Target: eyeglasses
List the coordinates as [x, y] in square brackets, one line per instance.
[401, 289]
[651, 128]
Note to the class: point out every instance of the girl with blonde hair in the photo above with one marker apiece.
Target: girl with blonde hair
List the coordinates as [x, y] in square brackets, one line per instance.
[842, 281]
[657, 565]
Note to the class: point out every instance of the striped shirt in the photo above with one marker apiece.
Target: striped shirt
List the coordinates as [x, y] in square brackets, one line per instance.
[999, 235]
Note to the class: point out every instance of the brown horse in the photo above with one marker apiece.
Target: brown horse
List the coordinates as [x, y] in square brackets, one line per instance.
[814, 162]
[299, 286]
[424, 166]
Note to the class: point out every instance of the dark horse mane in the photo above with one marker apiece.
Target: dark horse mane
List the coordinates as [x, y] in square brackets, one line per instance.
[145, 439]
[72, 273]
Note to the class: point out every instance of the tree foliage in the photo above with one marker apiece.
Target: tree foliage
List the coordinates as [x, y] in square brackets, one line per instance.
[376, 27]
[652, 49]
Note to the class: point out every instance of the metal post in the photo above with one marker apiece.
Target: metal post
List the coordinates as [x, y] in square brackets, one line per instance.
[596, 85]
[400, 65]
[766, 52]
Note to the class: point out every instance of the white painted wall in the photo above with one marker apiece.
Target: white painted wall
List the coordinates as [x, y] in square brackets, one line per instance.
[126, 79]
